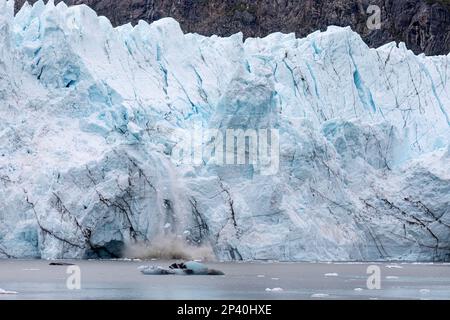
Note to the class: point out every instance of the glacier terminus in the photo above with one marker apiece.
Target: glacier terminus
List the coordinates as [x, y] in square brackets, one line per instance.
[88, 121]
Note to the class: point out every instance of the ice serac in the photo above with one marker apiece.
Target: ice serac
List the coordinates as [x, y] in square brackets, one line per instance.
[88, 116]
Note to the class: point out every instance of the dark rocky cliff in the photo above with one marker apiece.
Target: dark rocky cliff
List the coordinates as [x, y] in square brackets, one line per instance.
[423, 24]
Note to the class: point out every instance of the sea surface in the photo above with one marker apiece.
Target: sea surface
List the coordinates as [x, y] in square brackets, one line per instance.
[121, 279]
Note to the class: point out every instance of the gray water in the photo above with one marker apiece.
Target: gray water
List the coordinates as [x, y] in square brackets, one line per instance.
[121, 280]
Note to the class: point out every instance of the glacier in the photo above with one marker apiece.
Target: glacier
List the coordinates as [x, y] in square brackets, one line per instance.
[87, 120]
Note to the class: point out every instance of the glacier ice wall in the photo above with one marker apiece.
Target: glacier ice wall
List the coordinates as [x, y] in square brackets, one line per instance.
[88, 111]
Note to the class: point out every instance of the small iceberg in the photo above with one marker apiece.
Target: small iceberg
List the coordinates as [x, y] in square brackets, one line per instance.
[425, 291]
[62, 264]
[184, 268]
[274, 290]
[394, 266]
[2, 291]
[331, 274]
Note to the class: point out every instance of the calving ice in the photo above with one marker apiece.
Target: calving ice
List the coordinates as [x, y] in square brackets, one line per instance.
[90, 161]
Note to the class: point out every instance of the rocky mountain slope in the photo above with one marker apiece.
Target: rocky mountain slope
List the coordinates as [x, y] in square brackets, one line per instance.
[424, 25]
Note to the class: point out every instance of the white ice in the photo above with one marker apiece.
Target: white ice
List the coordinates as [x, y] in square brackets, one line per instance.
[90, 117]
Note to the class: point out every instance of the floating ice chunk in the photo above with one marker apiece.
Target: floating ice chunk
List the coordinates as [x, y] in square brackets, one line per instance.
[358, 289]
[424, 291]
[391, 277]
[60, 264]
[188, 268]
[394, 266]
[2, 291]
[320, 295]
[274, 290]
[331, 275]
[196, 267]
[31, 269]
[156, 271]
[261, 276]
